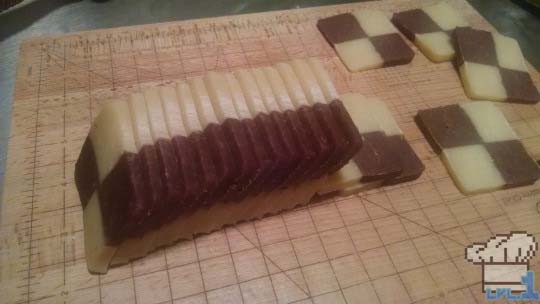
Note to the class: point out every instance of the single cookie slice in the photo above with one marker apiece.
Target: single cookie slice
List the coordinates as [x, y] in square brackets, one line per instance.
[385, 156]
[365, 39]
[430, 29]
[478, 147]
[492, 67]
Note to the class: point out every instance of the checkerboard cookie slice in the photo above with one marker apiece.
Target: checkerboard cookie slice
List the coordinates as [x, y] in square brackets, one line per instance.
[492, 67]
[385, 156]
[478, 146]
[430, 28]
[365, 39]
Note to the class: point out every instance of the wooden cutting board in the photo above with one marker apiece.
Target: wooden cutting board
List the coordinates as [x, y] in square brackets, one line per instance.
[403, 243]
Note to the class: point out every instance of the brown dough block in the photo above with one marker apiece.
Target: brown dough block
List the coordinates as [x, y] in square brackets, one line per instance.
[340, 28]
[123, 196]
[173, 183]
[376, 159]
[155, 187]
[279, 153]
[248, 169]
[334, 134]
[351, 133]
[224, 162]
[211, 180]
[411, 166]
[393, 49]
[447, 127]
[191, 171]
[301, 155]
[86, 172]
[307, 144]
[514, 163]
[263, 154]
[317, 138]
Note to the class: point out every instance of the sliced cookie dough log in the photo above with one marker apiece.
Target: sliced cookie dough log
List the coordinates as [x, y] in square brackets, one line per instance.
[478, 146]
[119, 204]
[365, 39]
[290, 128]
[224, 161]
[338, 127]
[307, 129]
[492, 67]
[430, 28]
[283, 153]
[197, 147]
[235, 134]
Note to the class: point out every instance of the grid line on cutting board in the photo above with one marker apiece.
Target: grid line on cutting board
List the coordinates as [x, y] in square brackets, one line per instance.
[303, 255]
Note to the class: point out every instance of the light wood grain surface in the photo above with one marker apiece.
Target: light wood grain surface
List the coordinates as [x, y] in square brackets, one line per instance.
[393, 245]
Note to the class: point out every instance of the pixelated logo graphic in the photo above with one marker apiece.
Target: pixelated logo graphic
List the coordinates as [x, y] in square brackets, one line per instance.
[505, 266]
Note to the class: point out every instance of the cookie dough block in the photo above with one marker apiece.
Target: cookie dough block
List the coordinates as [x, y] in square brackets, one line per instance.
[385, 155]
[365, 39]
[164, 164]
[430, 29]
[496, 70]
[478, 146]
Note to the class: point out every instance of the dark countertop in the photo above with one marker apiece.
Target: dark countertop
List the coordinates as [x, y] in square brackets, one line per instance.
[43, 17]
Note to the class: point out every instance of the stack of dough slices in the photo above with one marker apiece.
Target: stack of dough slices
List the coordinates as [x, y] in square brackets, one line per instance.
[179, 160]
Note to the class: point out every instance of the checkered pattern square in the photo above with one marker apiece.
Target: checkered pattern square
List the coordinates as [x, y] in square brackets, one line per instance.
[478, 146]
[385, 156]
[492, 67]
[365, 39]
[430, 28]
